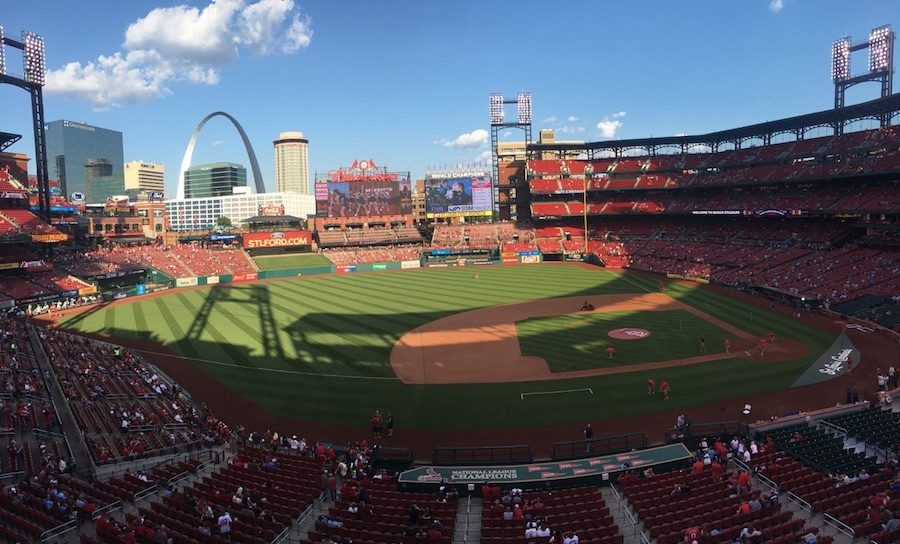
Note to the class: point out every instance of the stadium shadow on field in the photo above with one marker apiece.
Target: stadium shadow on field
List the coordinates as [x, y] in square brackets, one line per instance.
[275, 333]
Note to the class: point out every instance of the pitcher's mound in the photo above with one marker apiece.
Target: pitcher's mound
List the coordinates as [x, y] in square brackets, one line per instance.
[629, 333]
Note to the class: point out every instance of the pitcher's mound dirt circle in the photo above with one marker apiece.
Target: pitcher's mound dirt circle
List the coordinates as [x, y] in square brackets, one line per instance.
[629, 333]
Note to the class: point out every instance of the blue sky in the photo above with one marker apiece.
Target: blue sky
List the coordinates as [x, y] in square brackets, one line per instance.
[406, 82]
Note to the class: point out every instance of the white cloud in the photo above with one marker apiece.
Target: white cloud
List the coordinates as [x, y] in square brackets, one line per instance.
[262, 27]
[568, 129]
[188, 33]
[609, 127]
[217, 143]
[571, 118]
[610, 124]
[182, 43]
[113, 80]
[476, 138]
[550, 120]
[483, 157]
[776, 5]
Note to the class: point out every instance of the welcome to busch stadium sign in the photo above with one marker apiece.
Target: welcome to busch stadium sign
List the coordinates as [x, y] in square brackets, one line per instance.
[282, 238]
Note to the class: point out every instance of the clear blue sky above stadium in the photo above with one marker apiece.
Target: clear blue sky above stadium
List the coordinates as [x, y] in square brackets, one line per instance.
[406, 82]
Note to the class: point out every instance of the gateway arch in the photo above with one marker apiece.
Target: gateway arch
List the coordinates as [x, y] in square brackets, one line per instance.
[189, 152]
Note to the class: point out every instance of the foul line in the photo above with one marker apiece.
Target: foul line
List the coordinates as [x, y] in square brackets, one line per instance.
[588, 389]
[278, 370]
[625, 277]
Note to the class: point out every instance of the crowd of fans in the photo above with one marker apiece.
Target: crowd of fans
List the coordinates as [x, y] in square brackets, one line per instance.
[125, 409]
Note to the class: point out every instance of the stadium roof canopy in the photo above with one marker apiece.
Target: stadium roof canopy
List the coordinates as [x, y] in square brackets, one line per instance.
[272, 219]
[882, 108]
[7, 139]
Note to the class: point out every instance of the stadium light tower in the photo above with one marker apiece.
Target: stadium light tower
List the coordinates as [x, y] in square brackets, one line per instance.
[588, 174]
[34, 72]
[880, 67]
[496, 101]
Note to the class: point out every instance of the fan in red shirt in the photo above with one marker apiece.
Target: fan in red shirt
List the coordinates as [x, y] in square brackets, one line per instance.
[697, 467]
[743, 481]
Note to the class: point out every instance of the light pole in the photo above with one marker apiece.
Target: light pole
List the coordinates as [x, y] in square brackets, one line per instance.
[588, 172]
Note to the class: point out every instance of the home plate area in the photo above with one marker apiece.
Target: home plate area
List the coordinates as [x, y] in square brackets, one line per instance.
[629, 333]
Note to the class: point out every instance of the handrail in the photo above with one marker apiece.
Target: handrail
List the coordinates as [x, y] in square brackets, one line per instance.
[305, 514]
[840, 525]
[616, 493]
[282, 536]
[155, 463]
[58, 530]
[108, 508]
[768, 482]
[578, 449]
[462, 455]
[801, 502]
[146, 492]
[630, 517]
[178, 449]
[11, 475]
[832, 427]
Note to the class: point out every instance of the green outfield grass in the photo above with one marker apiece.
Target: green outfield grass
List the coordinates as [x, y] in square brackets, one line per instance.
[318, 347]
[281, 262]
[579, 341]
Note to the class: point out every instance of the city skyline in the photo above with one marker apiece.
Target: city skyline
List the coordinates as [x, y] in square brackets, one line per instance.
[406, 84]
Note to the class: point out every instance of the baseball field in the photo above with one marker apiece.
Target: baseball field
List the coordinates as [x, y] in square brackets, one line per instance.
[444, 349]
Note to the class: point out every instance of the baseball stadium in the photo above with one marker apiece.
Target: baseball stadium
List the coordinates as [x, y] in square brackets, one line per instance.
[571, 333]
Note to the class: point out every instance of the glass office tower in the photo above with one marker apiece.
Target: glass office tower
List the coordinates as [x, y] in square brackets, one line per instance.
[215, 179]
[79, 154]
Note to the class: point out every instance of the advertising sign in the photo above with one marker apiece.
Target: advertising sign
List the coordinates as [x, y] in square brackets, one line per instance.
[241, 278]
[537, 472]
[282, 238]
[186, 282]
[49, 237]
[840, 359]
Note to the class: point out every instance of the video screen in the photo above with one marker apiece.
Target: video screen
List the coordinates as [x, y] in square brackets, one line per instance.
[459, 196]
[363, 198]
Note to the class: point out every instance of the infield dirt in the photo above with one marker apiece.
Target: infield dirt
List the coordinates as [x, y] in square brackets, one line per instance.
[481, 346]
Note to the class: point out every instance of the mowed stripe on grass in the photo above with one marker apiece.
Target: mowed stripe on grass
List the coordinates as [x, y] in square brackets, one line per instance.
[346, 325]
[332, 324]
[579, 341]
